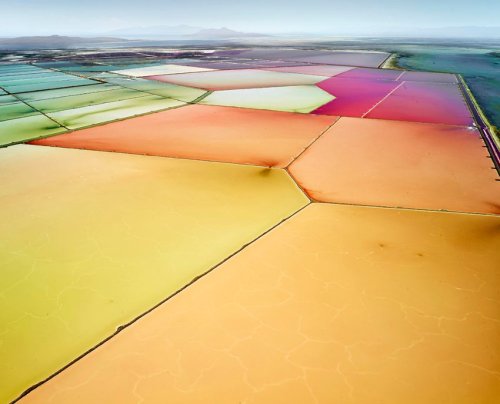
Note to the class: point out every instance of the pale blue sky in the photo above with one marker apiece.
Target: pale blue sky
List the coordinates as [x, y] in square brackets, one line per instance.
[32, 17]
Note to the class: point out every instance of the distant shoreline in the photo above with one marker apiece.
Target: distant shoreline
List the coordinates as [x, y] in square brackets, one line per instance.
[392, 63]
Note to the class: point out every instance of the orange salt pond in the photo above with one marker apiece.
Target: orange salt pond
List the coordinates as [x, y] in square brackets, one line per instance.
[90, 240]
[339, 304]
[265, 138]
[400, 164]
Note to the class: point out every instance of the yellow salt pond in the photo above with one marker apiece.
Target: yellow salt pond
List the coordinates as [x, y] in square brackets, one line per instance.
[90, 240]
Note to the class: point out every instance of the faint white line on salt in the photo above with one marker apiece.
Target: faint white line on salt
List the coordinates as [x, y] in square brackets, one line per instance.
[397, 78]
[383, 99]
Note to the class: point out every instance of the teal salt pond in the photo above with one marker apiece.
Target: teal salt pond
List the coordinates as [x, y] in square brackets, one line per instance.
[480, 67]
[36, 102]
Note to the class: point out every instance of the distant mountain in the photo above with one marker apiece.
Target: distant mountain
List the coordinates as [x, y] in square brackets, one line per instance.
[53, 42]
[223, 33]
[181, 32]
[160, 31]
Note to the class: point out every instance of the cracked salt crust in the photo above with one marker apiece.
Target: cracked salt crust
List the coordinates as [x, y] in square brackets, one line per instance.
[341, 304]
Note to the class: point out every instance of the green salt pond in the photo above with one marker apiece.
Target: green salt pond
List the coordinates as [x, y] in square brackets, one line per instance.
[65, 92]
[28, 128]
[15, 110]
[95, 114]
[182, 93]
[84, 100]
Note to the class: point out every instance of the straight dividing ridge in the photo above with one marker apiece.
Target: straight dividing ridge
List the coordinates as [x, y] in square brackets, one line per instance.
[125, 118]
[31, 106]
[428, 210]
[59, 71]
[389, 56]
[196, 100]
[59, 88]
[312, 64]
[307, 148]
[309, 63]
[36, 109]
[53, 69]
[68, 130]
[163, 157]
[287, 169]
[120, 328]
[101, 81]
[91, 105]
[75, 95]
[165, 300]
[98, 124]
[482, 124]
[214, 267]
[235, 69]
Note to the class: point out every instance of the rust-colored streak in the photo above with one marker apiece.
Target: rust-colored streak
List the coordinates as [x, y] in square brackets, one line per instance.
[266, 138]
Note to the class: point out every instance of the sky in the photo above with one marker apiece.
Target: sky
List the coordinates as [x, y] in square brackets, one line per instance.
[356, 17]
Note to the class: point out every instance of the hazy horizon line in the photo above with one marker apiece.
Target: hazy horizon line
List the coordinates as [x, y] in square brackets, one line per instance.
[445, 31]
